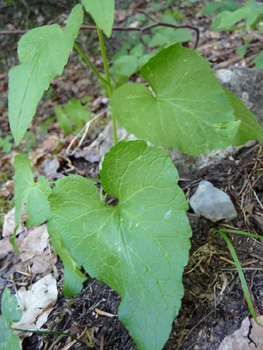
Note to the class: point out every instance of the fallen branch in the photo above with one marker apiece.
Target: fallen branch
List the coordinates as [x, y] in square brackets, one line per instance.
[140, 29]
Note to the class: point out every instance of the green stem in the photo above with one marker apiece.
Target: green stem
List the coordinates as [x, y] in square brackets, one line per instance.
[106, 69]
[94, 70]
[54, 332]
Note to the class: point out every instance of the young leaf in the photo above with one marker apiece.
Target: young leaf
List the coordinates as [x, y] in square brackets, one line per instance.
[102, 11]
[249, 129]
[73, 278]
[10, 313]
[33, 194]
[188, 109]
[138, 247]
[43, 53]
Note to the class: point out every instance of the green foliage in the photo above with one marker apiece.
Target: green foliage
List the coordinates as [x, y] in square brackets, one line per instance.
[251, 12]
[73, 277]
[43, 53]
[5, 143]
[177, 114]
[138, 247]
[102, 11]
[10, 313]
[133, 55]
[33, 194]
[259, 60]
[73, 117]
[219, 6]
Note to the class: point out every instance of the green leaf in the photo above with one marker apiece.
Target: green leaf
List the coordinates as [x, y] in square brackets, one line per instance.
[227, 19]
[43, 53]
[10, 313]
[102, 12]
[250, 128]
[139, 247]
[187, 110]
[33, 194]
[259, 60]
[73, 278]
[63, 120]
[76, 112]
[125, 66]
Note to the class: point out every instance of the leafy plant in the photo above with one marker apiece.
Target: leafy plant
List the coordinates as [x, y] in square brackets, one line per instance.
[10, 313]
[140, 246]
[133, 55]
[72, 116]
[229, 17]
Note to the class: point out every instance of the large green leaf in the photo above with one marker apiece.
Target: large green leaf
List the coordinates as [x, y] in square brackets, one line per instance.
[250, 128]
[33, 194]
[188, 108]
[73, 277]
[43, 53]
[102, 11]
[10, 313]
[138, 247]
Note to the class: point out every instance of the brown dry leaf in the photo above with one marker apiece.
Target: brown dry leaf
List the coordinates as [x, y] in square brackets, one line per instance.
[33, 243]
[51, 143]
[9, 224]
[7, 188]
[248, 337]
[36, 303]
[50, 169]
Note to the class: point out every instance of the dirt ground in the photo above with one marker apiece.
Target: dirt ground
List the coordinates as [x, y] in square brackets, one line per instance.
[213, 305]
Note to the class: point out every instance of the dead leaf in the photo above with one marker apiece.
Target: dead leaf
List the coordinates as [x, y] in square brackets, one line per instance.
[36, 303]
[248, 337]
[9, 224]
[50, 169]
[51, 143]
[7, 188]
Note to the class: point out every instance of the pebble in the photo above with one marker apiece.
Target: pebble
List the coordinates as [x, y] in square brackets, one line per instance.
[212, 203]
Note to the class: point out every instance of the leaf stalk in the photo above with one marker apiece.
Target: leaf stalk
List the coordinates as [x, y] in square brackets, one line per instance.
[106, 69]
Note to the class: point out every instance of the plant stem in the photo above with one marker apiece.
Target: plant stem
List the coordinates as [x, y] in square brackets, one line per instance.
[94, 70]
[106, 69]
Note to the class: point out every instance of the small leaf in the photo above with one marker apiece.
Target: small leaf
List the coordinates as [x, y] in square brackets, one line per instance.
[63, 120]
[10, 313]
[249, 129]
[73, 278]
[138, 247]
[259, 60]
[187, 110]
[76, 112]
[34, 195]
[43, 53]
[102, 11]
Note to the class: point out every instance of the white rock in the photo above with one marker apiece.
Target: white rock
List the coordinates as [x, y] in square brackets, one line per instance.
[212, 203]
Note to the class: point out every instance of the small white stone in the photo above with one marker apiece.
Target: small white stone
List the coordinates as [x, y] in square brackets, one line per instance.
[212, 203]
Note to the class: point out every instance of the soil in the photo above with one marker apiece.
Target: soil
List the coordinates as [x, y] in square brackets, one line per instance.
[213, 305]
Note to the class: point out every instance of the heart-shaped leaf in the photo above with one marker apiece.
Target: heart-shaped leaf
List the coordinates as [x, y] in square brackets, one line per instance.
[102, 11]
[10, 313]
[187, 109]
[138, 247]
[43, 53]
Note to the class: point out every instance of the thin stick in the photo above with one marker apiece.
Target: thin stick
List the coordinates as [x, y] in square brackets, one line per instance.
[127, 29]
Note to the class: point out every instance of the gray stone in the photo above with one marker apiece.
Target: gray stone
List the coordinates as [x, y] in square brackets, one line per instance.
[212, 203]
[247, 84]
